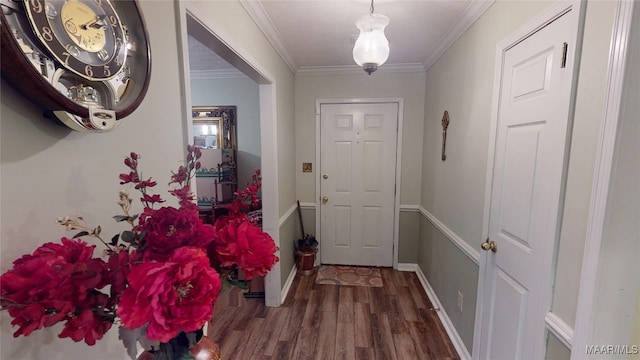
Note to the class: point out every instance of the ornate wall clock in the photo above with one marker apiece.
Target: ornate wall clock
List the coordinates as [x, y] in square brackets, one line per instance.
[87, 62]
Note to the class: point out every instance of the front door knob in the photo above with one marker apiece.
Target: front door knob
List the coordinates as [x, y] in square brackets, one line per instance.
[490, 245]
[325, 199]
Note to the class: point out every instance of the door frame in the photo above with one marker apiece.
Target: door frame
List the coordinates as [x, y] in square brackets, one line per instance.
[236, 54]
[396, 205]
[547, 16]
[602, 178]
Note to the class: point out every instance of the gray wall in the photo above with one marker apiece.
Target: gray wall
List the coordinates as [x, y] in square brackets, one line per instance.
[409, 86]
[49, 171]
[461, 81]
[617, 317]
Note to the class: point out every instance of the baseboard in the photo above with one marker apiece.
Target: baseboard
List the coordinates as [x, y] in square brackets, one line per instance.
[407, 267]
[442, 314]
[287, 284]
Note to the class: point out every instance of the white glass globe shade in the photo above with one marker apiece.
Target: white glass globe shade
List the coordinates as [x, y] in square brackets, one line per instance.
[372, 47]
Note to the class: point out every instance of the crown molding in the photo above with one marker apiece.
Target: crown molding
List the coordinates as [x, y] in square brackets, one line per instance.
[474, 10]
[357, 70]
[217, 74]
[260, 17]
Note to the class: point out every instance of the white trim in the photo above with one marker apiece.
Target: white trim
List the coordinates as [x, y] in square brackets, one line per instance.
[308, 206]
[473, 12]
[575, 9]
[267, 92]
[270, 190]
[410, 208]
[409, 267]
[183, 63]
[263, 21]
[217, 74]
[286, 215]
[357, 70]
[466, 249]
[458, 344]
[601, 179]
[288, 283]
[244, 61]
[259, 15]
[403, 208]
[396, 216]
[559, 329]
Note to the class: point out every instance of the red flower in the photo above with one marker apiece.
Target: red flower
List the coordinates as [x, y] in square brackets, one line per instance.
[238, 242]
[151, 199]
[131, 177]
[119, 267]
[169, 228]
[85, 326]
[146, 183]
[172, 296]
[53, 284]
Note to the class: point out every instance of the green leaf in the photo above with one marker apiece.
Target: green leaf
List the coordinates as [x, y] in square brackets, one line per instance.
[81, 233]
[114, 239]
[97, 230]
[191, 338]
[127, 236]
[121, 218]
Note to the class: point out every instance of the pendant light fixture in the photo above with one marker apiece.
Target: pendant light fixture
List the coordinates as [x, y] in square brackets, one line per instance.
[372, 47]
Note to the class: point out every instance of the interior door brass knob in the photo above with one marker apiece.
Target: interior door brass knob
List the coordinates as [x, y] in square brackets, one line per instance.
[325, 199]
[489, 245]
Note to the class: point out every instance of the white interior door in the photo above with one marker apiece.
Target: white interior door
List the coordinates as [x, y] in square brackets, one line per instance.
[526, 190]
[357, 183]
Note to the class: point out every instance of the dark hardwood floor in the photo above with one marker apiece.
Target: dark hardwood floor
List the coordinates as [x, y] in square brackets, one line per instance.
[327, 322]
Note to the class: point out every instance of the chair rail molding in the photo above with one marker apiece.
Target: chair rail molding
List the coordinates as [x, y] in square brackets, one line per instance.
[470, 251]
[560, 329]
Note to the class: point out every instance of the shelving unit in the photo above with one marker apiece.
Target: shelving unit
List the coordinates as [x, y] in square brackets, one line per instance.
[214, 129]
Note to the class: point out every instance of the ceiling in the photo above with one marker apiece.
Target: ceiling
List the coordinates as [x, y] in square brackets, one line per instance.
[317, 37]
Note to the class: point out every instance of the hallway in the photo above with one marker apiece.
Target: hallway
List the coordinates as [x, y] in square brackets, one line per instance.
[395, 321]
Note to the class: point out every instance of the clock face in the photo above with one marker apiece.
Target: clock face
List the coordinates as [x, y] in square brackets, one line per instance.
[86, 61]
[85, 37]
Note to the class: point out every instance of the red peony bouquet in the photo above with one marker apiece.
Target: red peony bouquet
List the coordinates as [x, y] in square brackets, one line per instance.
[158, 280]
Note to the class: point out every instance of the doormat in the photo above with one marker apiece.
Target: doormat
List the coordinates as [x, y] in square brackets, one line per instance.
[349, 276]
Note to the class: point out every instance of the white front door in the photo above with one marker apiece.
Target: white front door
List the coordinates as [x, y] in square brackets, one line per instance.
[526, 190]
[357, 183]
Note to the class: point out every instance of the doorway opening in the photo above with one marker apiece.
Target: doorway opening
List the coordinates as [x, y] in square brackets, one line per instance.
[193, 23]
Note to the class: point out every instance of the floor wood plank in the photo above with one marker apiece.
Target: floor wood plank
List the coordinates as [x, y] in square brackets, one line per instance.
[362, 322]
[330, 322]
[345, 304]
[345, 343]
[382, 337]
[405, 349]
[325, 346]
[273, 325]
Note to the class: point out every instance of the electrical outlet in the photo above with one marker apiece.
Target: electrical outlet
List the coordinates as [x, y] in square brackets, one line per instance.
[460, 301]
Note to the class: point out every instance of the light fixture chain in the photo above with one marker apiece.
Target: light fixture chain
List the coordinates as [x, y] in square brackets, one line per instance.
[371, 7]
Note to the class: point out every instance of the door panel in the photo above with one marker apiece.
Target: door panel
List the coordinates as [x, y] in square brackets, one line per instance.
[358, 155]
[526, 188]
